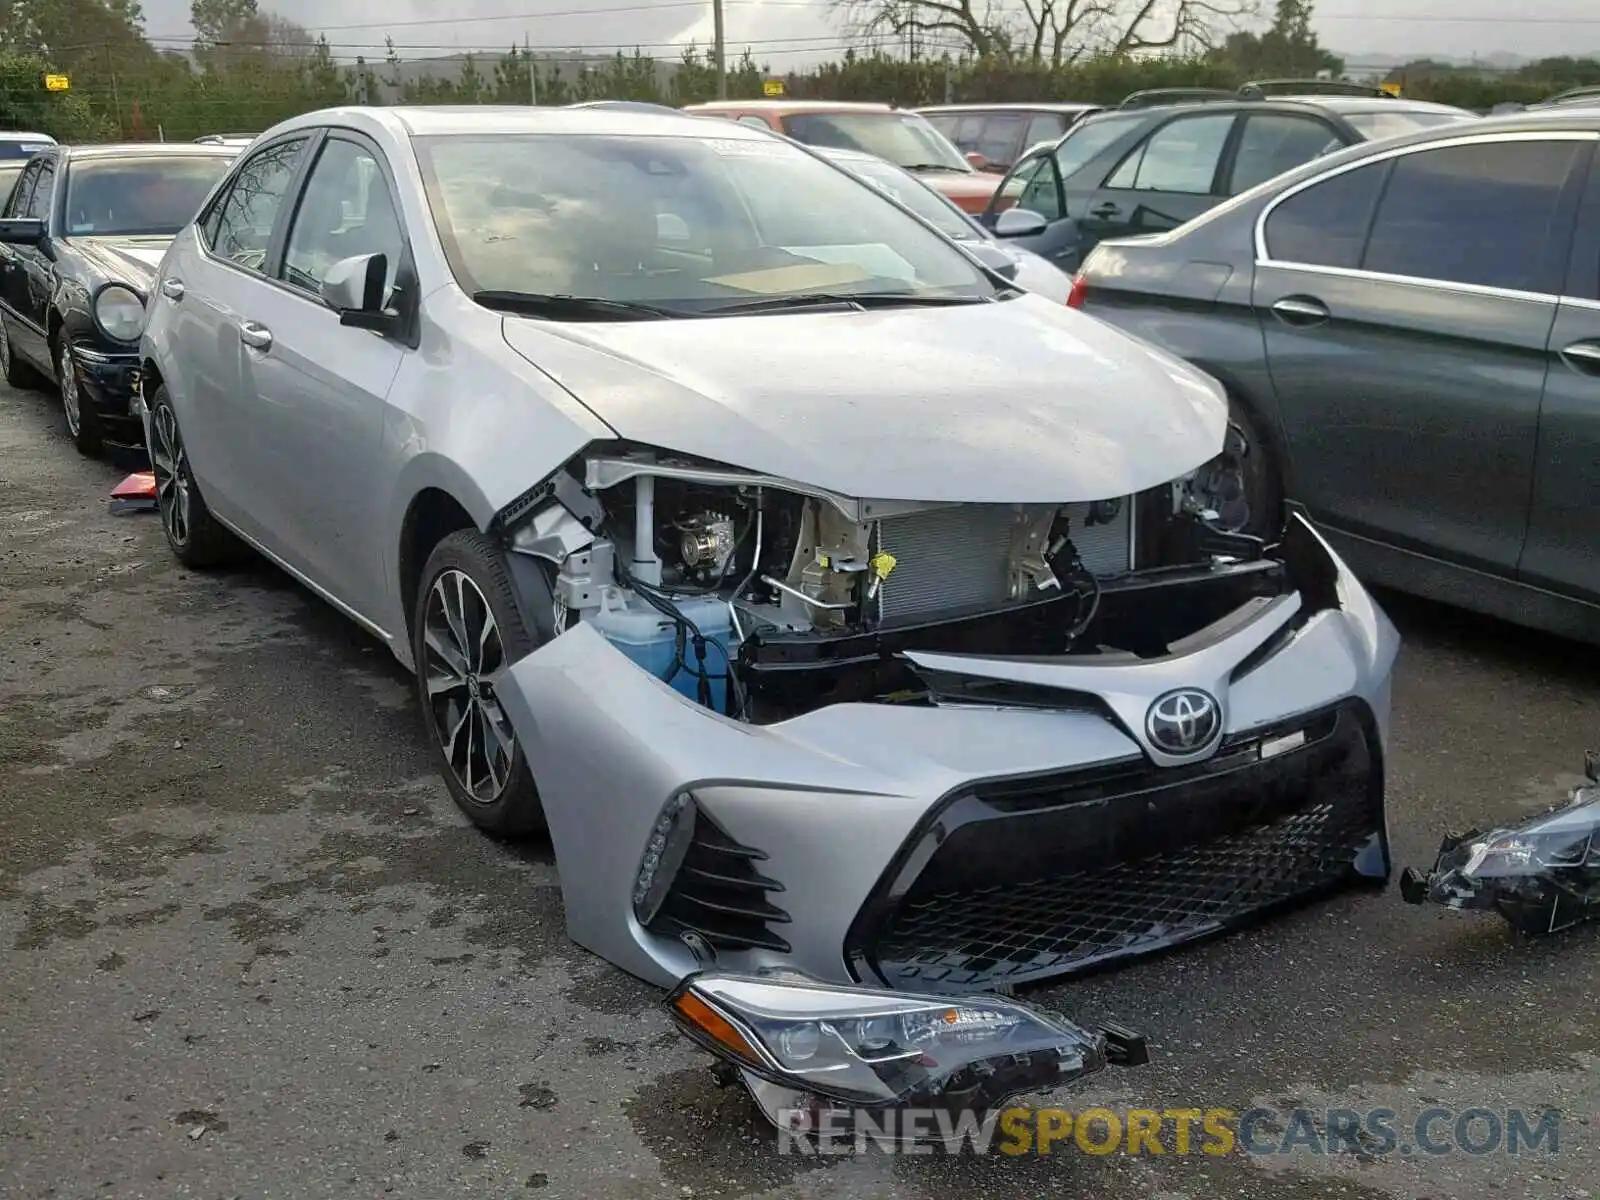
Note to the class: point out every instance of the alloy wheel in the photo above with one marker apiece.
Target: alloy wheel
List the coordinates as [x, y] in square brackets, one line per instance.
[170, 465]
[71, 401]
[464, 660]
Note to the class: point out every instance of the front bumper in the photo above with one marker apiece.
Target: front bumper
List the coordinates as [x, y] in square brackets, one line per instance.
[958, 848]
[107, 383]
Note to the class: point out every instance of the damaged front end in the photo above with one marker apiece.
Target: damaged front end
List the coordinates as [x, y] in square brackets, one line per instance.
[1542, 876]
[913, 750]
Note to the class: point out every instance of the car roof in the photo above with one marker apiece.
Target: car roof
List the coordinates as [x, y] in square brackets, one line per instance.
[465, 119]
[795, 106]
[1366, 104]
[150, 149]
[1067, 106]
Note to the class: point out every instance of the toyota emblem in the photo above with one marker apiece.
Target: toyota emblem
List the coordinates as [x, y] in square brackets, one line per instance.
[1183, 722]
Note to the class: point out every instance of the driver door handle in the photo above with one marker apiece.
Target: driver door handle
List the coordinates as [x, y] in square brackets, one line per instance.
[172, 289]
[1105, 210]
[1583, 357]
[257, 337]
[1301, 311]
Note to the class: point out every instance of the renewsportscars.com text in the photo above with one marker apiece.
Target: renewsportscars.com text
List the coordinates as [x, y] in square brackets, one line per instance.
[1371, 1133]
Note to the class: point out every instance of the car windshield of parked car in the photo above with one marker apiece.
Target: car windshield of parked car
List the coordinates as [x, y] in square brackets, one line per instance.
[1375, 125]
[905, 139]
[139, 196]
[689, 224]
[914, 194]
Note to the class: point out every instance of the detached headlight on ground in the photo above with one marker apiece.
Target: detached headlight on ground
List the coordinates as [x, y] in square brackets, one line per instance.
[119, 312]
[1542, 875]
[867, 1049]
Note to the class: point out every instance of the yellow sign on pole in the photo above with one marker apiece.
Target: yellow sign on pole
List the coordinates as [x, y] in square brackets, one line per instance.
[1392, 89]
[772, 87]
[57, 83]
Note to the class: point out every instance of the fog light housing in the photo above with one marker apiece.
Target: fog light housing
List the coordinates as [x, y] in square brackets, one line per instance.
[664, 853]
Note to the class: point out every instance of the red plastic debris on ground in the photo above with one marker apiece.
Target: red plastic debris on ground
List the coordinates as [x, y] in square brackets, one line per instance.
[136, 493]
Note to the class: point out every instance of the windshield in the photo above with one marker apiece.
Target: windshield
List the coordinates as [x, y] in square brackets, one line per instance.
[1375, 125]
[905, 139]
[142, 195]
[682, 223]
[914, 194]
[1087, 139]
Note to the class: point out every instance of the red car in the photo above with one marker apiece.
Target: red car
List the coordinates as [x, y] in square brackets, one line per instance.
[902, 137]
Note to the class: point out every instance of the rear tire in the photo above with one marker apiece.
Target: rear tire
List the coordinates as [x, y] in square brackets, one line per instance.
[1263, 482]
[466, 629]
[197, 538]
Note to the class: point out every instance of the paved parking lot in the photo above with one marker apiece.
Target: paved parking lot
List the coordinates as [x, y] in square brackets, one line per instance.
[251, 949]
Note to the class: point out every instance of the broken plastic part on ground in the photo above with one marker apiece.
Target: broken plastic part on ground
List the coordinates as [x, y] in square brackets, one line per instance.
[1542, 876]
[135, 494]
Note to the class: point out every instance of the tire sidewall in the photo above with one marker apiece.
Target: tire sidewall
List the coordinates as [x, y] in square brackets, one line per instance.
[1262, 479]
[517, 811]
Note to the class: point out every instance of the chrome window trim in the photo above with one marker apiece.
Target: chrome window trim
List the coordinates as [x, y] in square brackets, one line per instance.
[1418, 281]
[1264, 256]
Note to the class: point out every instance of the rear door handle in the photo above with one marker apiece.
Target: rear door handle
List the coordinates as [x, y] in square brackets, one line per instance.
[172, 289]
[1105, 210]
[1301, 311]
[257, 337]
[1583, 357]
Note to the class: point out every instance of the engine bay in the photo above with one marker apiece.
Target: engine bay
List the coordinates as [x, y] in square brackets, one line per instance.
[760, 599]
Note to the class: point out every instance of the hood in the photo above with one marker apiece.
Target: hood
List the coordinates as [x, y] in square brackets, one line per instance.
[971, 190]
[124, 260]
[1020, 401]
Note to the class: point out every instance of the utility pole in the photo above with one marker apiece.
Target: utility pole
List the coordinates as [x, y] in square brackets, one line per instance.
[533, 81]
[722, 65]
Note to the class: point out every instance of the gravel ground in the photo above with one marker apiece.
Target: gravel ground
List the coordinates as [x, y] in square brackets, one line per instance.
[252, 950]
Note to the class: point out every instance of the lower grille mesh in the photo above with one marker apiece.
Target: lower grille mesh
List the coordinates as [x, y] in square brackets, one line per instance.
[719, 894]
[1142, 866]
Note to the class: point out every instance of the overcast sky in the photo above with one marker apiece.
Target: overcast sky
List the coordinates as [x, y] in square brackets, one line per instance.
[792, 33]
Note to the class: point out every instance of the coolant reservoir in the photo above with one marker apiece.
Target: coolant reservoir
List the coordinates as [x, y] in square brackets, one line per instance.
[649, 638]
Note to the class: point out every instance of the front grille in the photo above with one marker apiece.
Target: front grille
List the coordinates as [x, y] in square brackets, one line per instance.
[720, 895]
[1047, 878]
[958, 557]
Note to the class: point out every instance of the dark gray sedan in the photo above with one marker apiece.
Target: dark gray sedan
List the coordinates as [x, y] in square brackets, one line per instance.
[1410, 333]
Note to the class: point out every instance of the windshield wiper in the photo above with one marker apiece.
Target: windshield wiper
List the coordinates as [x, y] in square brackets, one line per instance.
[561, 307]
[857, 300]
[934, 167]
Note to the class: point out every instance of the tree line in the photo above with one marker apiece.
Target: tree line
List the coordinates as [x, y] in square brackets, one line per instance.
[249, 68]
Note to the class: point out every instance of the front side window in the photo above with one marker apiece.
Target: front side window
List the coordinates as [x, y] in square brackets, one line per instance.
[1273, 143]
[133, 195]
[1326, 225]
[1087, 139]
[689, 223]
[244, 223]
[17, 202]
[905, 139]
[1179, 157]
[1478, 214]
[345, 211]
[38, 203]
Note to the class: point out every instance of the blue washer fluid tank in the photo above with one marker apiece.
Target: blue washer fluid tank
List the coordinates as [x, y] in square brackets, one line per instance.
[646, 636]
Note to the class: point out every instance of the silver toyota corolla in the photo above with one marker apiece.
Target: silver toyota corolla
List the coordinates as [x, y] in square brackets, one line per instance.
[863, 631]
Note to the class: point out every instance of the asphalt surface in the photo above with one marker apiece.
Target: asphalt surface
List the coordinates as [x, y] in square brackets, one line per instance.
[250, 949]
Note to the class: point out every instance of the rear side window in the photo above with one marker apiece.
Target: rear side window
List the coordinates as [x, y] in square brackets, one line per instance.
[1273, 143]
[1326, 225]
[1180, 157]
[1480, 214]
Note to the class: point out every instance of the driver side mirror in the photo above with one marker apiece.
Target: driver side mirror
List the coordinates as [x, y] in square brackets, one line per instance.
[21, 231]
[354, 288]
[1019, 222]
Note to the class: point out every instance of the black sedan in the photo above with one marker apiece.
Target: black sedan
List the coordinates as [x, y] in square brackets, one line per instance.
[81, 237]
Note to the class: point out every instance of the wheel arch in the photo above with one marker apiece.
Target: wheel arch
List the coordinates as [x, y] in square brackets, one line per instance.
[434, 499]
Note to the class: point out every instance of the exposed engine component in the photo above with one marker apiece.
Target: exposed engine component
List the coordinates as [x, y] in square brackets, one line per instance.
[706, 543]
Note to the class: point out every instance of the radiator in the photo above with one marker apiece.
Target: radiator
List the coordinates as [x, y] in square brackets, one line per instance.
[958, 557]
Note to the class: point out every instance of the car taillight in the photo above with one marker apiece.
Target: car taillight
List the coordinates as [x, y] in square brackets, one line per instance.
[1080, 289]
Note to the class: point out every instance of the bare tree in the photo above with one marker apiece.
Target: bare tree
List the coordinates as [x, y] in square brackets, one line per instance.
[1047, 31]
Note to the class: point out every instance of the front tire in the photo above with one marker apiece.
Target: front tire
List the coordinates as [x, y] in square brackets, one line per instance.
[466, 630]
[83, 423]
[197, 538]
